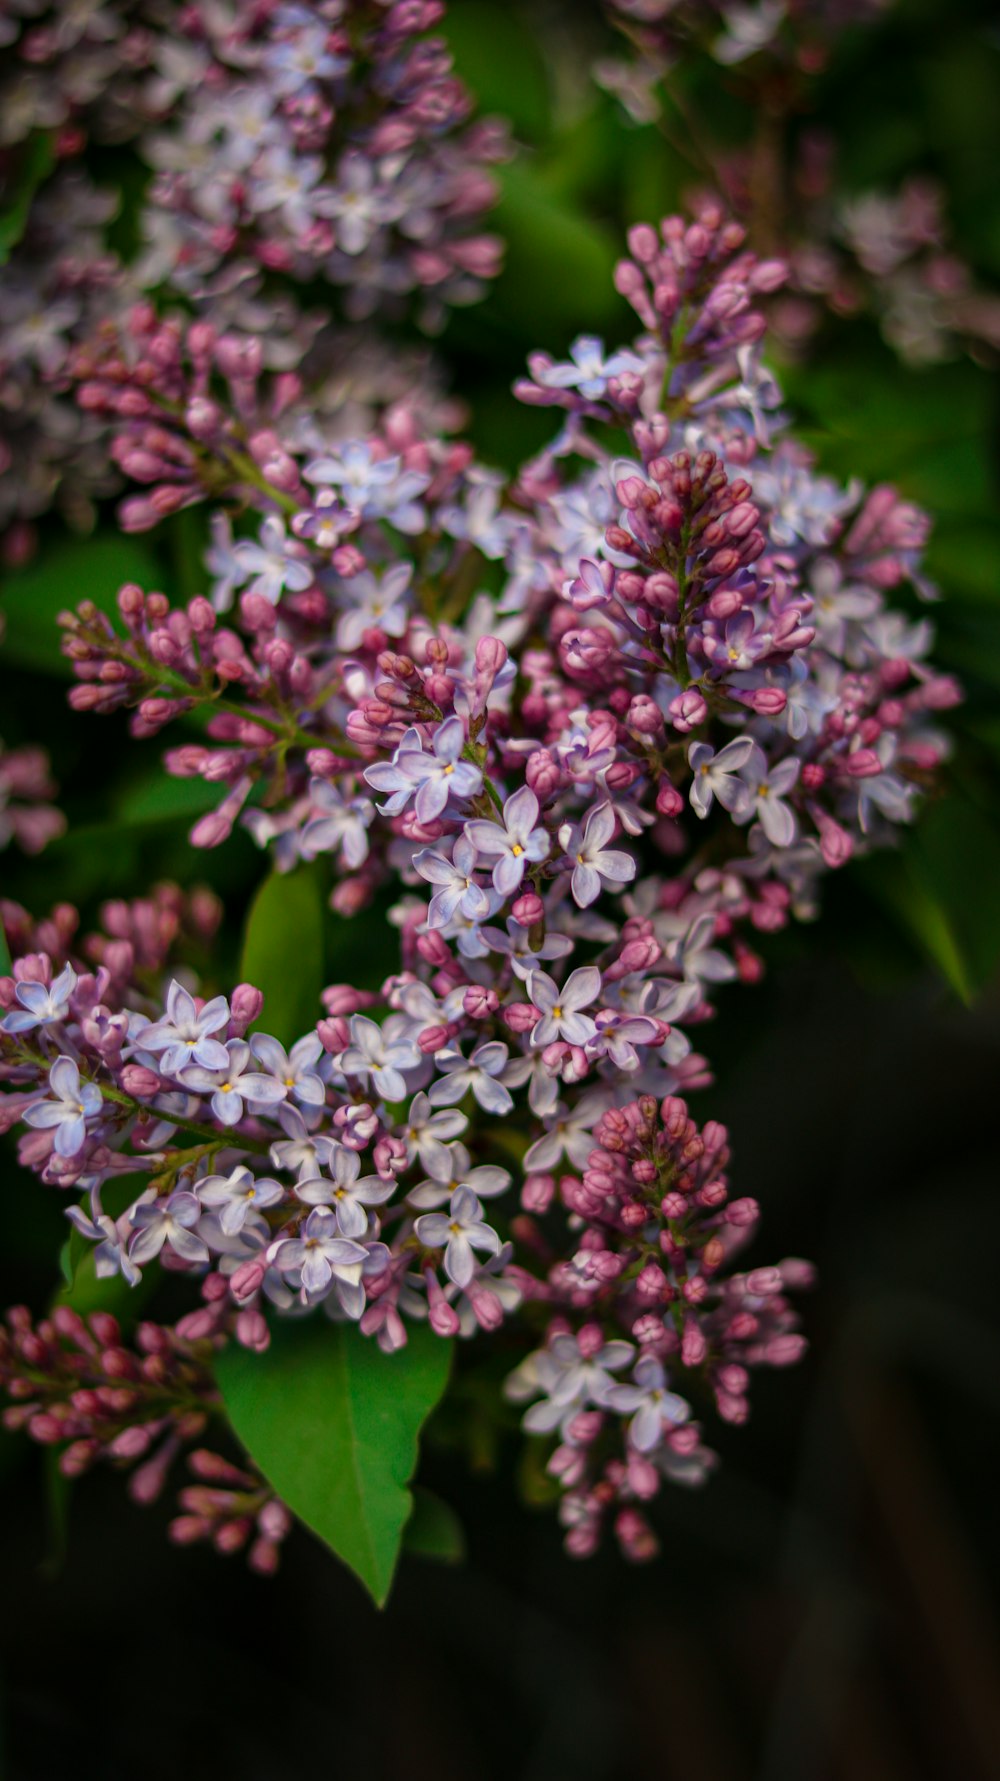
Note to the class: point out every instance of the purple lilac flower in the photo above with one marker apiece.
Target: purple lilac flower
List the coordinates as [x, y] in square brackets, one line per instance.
[348, 1194]
[459, 893]
[480, 1073]
[766, 786]
[41, 1004]
[238, 1194]
[294, 1069]
[516, 840]
[169, 1221]
[185, 1034]
[320, 1257]
[560, 1009]
[371, 1057]
[75, 1102]
[593, 862]
[233, 1083]
[716, 775]
[459, 1231]
[654, 1409]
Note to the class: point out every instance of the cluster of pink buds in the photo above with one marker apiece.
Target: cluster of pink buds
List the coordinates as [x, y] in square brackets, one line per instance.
[654, 1236]
[76, 1384]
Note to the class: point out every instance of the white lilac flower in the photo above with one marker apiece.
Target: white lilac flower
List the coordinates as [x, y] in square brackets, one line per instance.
[347, 1193]
[236, 1195]
[480, 1073]
[458, 1231]
[560, 1009]
[371, 1057]
[589, 371]
[717, 775]
[111, 1254]
[301, 1152]
[224, 566]
[41, 1004]
[480, 521]
[568, 1380]
[458, 893]
[515, 841]
[766, 786]
[169, 1221]
[320, 1257]
[374, 487]
[233, 1083]
[359, 202]
[593, 862]
[426, 1131]
[374, 603]
[67, 1113]
[272, 563]
[442, 773]
[293, 1069]
[342, 825]
[697, 958]
[655, 1410]
[568, 1135]
[516, 943]
[448, 1170]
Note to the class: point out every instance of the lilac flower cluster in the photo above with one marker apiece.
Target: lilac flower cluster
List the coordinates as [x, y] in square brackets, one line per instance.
[654, 1236]
[74, 1383]
[326, 143]
[328, 140]
[603, 725]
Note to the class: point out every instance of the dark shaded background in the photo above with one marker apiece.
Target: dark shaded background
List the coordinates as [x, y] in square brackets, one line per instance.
[826, 1607]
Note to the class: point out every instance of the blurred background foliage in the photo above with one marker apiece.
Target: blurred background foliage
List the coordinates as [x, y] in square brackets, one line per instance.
[825, 1606]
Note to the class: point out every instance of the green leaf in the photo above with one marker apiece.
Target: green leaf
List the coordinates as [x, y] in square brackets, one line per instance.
[541, 231]
[283, 951]
[6, 965]
[940, 885]
[91, 569]
[434, 1530]
[37, 161]
[333, 1424]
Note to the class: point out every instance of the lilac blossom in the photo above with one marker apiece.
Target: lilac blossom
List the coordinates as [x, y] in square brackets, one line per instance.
[517, 840]
[67, 1113]
[341, 827]
[232, 1083]
[185, 1035]
[451, 1168]
[41, 1004]
[347, 1193]
[238, 1194]
[322, 1257]
[766, 786]
[459, 1231]
[272, 565]
[481, 1073]
[594, 863]
[459, 893]
[717, 775]
[293, 1070]
[373, 1056]
[170, 1221]
[653, 1408]
[561, 1009]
